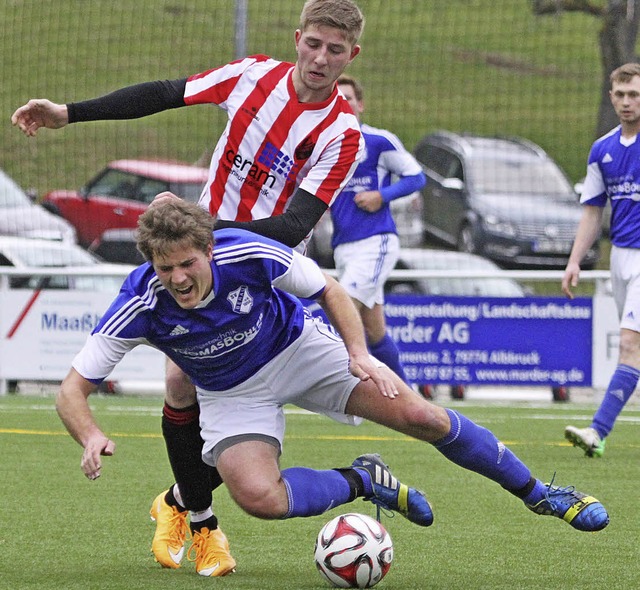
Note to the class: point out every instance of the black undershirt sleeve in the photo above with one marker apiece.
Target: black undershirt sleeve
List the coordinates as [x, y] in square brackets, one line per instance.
[131, 102]
[292, 226]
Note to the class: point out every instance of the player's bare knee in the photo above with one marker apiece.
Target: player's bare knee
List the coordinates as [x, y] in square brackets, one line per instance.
[630, 348]
[428, 422]
[180, 391]
[263, 501]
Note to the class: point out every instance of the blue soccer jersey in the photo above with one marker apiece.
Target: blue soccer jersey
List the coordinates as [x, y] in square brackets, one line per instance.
[384, 159]
[613, 173]
[248, 318]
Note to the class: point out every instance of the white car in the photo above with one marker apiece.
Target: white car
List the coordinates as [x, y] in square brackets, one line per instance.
[19, 216]
[431, 259]
[27, 253]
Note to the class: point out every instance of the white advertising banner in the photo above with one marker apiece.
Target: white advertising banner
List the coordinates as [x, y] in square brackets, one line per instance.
[41, 332]
[606, 339]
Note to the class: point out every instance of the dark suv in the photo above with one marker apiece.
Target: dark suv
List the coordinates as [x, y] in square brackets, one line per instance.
[501, 197]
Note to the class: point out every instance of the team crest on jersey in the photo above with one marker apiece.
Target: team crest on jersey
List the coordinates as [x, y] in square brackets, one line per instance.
[305, 149]
[241, 300]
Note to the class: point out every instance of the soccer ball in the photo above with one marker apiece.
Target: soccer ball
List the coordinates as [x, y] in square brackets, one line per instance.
[353, 551]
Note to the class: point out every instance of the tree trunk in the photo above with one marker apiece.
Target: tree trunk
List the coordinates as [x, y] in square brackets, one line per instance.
[617, 40]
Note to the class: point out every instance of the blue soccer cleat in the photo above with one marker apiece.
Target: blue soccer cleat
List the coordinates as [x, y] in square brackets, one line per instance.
[582, 512]
[390, 494]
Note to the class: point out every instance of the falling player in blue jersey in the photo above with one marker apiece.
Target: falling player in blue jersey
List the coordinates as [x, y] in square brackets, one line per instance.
[229, 315]
[613, 174]
[365, 241]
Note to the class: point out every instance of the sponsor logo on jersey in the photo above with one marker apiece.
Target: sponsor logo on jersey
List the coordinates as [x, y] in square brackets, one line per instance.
[624, 189]
[263, 172]
[223, 343]
[241, 300]
[277, 161]
[360, 184]
[246, 170]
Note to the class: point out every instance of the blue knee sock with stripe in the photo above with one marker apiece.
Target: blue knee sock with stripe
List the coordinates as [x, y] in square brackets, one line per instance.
[386, 351]
[621, 387]
[477, 449]
[313, 492]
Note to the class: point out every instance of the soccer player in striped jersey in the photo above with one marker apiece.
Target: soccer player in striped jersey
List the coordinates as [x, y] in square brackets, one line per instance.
[365, 241]
[228, 313]
[613, 174]
[290, 145]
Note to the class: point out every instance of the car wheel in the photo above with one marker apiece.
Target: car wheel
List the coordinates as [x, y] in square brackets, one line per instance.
[560, 394]
[467, 239]
[457, 392]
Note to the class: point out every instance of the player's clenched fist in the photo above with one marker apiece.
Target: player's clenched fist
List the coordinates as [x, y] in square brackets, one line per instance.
[40, 112]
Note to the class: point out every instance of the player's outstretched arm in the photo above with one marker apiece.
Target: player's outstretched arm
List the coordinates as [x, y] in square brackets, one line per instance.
[74, 411]
[40, 112]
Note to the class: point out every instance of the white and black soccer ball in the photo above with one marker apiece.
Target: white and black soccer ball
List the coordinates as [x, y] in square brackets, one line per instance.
[353, 551]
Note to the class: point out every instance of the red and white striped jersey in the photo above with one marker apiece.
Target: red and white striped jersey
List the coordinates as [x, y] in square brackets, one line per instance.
[272, 143]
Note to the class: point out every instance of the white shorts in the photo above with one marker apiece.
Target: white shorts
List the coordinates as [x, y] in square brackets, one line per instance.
[312, 373]
[365, 265]
[625, 283]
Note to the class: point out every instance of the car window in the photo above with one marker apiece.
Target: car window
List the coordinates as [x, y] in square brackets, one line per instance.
[149, 188]
[189, 191]
[114, 183]
[519, 176]
[443, 162]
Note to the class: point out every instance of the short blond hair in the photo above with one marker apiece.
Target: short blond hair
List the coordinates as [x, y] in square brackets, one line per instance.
[337, 14]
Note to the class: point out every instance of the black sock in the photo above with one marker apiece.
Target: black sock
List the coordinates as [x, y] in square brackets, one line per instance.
[523, 492]
[354, 479]
[211, 523]
[196, 480]
[171, 500]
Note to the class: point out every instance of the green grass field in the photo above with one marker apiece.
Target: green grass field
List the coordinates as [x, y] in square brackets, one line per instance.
[60, 531]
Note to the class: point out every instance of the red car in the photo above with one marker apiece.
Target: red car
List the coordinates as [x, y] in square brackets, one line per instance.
[116, 197]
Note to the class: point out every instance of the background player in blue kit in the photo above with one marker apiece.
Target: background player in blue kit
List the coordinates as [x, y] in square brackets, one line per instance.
[229, 315]
[613, 173]
[365, 240]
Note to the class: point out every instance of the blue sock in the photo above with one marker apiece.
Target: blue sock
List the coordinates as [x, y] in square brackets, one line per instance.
[313, 492]
[387, 352]
[621, 387]
[477, 449]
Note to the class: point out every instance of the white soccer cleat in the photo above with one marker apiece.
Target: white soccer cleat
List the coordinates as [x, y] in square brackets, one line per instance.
[587, 439]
